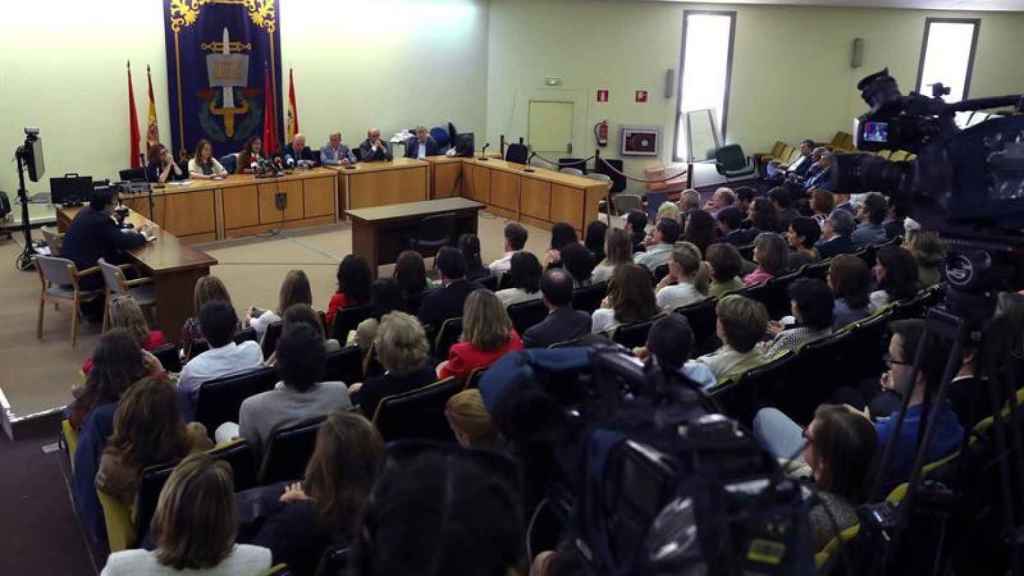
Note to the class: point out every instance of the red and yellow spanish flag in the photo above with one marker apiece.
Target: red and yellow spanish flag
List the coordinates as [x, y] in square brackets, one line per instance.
[152, 130]
[293, 110]
[133, 125]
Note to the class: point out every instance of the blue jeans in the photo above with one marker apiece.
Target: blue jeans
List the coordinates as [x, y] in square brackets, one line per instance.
[778, 434]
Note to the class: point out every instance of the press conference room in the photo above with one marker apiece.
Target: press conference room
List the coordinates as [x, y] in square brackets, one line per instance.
[532, 287]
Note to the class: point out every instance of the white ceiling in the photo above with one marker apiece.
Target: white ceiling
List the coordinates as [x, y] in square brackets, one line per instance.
[965, 5]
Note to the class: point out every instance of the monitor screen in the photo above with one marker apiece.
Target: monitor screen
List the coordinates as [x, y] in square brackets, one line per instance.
[70, 189]
[464, 145]
[876, 132]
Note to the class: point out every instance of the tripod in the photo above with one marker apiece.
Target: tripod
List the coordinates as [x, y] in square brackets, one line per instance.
[24, 261]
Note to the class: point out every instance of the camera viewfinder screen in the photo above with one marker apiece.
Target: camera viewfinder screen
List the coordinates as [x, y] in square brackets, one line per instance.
[876, 132]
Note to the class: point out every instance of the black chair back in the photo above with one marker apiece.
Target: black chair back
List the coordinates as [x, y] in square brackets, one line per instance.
[417, 413]
[704, 323]
[577, 163]
[197, 348]
[219, 400]
[347, 319]
[230, 163]
[517, 153]
[588, 298]
[526, 315]
[730, 161]
[742, 398]
[660, 272]
[504, 281]
[345, 365]
[246, 335]
[746, 252]
[150, 484]
[132, 175]
[817, 270]
[288, 451]
[238, 454]
[270, 338]
[635, 334]
[169, 357]
[447, 336]
[490, 282]
[473, 381]
[605, 166]
[334, 562]
[432, 233]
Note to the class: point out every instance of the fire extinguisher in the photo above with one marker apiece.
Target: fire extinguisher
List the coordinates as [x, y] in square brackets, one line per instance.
[601, 133]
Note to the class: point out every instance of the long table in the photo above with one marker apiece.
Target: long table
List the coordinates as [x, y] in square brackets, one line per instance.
[368, 184]
[379, 234]
[173, 265]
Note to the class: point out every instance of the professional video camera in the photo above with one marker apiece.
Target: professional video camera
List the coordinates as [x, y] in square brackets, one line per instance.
[966, 184]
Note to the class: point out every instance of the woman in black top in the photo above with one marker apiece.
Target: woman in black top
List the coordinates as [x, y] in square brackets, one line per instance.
[402, 349]
[162, 167]
[469, 244]
[411, 275]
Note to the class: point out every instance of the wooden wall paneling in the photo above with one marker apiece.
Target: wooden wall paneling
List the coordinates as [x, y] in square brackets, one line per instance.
[318, 197]
[445, 177]
[567, 205]
[505, 190]
[241, 206]
[536, 198]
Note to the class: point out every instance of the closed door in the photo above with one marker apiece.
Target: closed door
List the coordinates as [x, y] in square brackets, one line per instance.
[550, 128]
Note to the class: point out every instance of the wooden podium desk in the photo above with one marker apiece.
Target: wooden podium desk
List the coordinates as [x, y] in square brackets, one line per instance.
[241, 205]
[445, 176]
[174, 267]
[382, 183]
[378, 234]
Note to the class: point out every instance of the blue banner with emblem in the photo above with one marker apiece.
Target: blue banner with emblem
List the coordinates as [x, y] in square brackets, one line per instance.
[218, 55]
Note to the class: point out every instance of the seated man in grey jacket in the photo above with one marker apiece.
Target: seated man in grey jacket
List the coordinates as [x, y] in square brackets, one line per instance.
[300, 396]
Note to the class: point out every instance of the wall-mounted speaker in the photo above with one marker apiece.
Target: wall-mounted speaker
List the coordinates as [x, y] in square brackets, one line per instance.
[670, 82]
[857, 53]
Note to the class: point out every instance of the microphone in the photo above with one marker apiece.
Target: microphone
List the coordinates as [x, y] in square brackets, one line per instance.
[483, 151]
[528, 167]
[289, 161]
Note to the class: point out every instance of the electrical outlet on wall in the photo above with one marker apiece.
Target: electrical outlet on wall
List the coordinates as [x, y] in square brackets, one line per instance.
[281, 200]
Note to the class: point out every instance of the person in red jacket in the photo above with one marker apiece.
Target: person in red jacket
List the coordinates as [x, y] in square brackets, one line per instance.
[487, 335]
[125, 313]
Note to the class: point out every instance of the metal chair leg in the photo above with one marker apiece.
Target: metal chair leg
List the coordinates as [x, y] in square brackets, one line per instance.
[39, 322]
[74, 323]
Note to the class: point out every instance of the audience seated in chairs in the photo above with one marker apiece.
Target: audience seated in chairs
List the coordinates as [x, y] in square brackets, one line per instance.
[469, 244]
[470, 421]
[304, 314]
[770, 255]
[669, 340]
[411, 275]
[871, 215]
[207, 288]
[812, 303]
[772, 427]
[744, 198]
[353, 286]
[447, 301]
[224, 358]
[724, 266]
[446, 511]
[741, 325]
[764, 216]
[294, 290]
[125, 313]
[301, 521]
[895, 277]
[617, 250]
[700, 230]
[835, 235]
[730, 227]
[665, 235]
[689, 200]
[579, 263]
[301, 394]
[525, 274]
[148, 430]
[801, 234]
[723, 198]
[594, 239]
[515, 240]
[636, 227]
[822, 204]
[929, 251]
[783, 202]
[487, 334]
[562, 235]
[838, 448]
[194, 527]
[850, 281]
[687, 281]
[385, 297]
[563, 323]
[402, 349]
[630, 299]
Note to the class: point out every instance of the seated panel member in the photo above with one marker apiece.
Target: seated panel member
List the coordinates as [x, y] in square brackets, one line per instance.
[204, 166]
[422, 145]
[162, 167]
[93, 234]
[374, 149]
[298, 152]
[334, 153]
[252, 153]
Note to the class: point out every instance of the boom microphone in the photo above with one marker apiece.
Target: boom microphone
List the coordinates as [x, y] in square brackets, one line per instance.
[483, 151]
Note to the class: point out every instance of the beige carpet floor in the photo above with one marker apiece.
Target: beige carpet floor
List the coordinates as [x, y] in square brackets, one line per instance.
[36, 375]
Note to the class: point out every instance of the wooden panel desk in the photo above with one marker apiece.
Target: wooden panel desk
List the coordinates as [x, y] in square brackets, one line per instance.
[378, 234]
[369, 184]
[445, 176]
[174, 267]
[241, 205]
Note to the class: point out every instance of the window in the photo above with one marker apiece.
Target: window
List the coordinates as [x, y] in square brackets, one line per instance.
[704, 70]
[947, 56]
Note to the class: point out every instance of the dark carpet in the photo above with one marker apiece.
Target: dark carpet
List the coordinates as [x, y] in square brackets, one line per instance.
[40, 532]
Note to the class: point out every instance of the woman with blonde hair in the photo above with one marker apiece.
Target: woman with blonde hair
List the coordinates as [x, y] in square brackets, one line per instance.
[126, 313]
[630, 299]
[402, 349]
[929, 251]
[208, 288]
[194, 527]
[618, 249]
[687, 281]
[470, 421]
[294, 290]
[487, 334]
[203, 166]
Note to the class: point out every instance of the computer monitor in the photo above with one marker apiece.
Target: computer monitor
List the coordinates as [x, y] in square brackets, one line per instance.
[464, 145]
[70, 189]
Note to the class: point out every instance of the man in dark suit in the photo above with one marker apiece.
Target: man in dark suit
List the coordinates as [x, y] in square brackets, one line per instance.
[296, 152]
[835, 234]
[730, 224]
[446, 302]
[563, 323]
[373, 149]
[422, 145]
